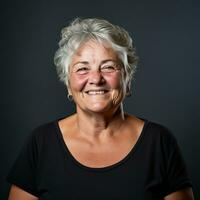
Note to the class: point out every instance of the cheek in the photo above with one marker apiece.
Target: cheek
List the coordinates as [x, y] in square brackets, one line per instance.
[77, 83]
[115, 81]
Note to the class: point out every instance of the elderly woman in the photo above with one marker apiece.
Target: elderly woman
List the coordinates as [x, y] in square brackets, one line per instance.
[99, 152]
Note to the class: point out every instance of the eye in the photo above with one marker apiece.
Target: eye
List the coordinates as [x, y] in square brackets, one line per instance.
[82, 70]
[108, 68]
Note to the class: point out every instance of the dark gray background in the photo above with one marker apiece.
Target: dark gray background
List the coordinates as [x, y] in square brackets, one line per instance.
[166, 89]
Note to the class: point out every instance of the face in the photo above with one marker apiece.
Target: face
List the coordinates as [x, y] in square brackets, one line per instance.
[95, 78]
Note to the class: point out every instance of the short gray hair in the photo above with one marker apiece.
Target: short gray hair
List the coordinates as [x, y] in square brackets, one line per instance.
[82, 30]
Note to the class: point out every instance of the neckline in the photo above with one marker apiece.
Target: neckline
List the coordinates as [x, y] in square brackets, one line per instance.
[99, 169]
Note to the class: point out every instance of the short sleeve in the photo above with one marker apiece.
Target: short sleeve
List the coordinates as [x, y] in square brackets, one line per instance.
[177, 174]
[23, 172]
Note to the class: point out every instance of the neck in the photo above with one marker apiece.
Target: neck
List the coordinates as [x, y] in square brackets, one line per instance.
[98, 125]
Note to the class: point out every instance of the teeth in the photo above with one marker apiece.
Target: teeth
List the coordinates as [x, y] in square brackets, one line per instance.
[96, 92]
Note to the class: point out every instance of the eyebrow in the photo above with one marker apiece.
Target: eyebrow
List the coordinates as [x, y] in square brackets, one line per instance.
[86, 62]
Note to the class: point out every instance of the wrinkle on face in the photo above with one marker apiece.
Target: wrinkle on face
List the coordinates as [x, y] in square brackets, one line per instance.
[94, 53]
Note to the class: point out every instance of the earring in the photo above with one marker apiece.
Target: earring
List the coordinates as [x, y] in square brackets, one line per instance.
[70, 97]
[128, 94]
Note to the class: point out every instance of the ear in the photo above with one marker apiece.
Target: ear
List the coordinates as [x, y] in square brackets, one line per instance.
[69, 90]
[128, 90]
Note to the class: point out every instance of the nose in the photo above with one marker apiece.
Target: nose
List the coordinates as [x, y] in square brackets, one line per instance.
[96, 77]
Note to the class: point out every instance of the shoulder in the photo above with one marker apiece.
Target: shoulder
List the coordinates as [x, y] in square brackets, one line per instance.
[152, 131]
[42, 130]
[41, 140]
[159, 134]
[160, 130]
[42, 134]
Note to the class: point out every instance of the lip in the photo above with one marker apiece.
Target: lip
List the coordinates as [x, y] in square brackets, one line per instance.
[96, 92]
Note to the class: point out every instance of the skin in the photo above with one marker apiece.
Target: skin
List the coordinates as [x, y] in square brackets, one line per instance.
[17, 193]
[88, 71]
[100, 133]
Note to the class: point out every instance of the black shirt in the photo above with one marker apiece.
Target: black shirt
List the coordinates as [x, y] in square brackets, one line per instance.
[152, 169]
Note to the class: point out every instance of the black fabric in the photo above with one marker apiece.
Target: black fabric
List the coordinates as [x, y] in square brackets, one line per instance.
[152, 169]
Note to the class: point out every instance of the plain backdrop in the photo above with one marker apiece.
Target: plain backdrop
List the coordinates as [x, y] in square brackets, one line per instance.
[166, 88]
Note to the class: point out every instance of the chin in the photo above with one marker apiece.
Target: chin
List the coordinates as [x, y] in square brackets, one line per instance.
[99, 108]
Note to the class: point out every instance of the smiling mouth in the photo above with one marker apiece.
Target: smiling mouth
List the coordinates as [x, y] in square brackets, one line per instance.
[96, 92]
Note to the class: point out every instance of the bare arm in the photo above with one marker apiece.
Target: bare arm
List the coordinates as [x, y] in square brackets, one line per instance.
[185, 194]
[17, 193]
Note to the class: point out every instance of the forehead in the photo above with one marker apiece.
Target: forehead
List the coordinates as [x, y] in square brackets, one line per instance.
[94, 51]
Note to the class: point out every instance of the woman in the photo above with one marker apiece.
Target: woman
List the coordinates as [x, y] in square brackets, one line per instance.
[99, 152]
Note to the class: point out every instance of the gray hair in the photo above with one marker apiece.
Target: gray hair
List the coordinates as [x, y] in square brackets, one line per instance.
[82, 30]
